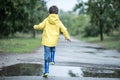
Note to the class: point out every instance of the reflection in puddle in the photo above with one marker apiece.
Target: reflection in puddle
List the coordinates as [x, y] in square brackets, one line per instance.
[66, 71]
[22, 70]
[60, 71]
[95, 72]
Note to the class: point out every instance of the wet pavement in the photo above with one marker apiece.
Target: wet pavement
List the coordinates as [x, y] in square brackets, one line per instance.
[30, 69]
[74, 61]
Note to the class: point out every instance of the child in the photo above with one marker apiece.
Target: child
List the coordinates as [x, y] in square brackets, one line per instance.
[51, 27]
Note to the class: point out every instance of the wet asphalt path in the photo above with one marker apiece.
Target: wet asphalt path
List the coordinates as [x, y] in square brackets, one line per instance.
[73, 56]
[83, 52]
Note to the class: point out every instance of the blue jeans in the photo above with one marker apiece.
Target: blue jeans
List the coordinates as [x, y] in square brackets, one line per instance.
[47, 57]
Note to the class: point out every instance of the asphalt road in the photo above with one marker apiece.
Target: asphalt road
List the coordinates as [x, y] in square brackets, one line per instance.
[73, 61]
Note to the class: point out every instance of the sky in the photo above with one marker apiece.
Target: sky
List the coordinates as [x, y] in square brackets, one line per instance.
[66, 5]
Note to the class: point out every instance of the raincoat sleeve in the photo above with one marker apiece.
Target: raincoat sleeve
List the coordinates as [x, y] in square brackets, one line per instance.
[40, 26]
[63, 29]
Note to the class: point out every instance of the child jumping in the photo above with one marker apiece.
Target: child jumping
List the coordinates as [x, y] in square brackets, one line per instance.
[51, 26]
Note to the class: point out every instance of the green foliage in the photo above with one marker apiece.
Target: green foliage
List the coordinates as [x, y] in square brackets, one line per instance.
[80, 22]
[105, 15]
[90, 30]
[20, 15]
[75, 24]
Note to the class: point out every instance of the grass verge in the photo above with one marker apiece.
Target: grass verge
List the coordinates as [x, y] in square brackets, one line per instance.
[19, 45]
[111, 42]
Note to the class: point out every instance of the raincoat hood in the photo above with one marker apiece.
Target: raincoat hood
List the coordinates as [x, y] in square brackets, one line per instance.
[53, 19]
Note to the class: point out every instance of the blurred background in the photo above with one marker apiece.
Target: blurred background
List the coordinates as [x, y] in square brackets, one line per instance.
[96, 21]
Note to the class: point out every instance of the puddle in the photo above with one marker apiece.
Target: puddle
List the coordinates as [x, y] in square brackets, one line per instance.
[60, 71]
[95, 72]
[22, 69]
[90, 52]
[98, 48]
[66, 71]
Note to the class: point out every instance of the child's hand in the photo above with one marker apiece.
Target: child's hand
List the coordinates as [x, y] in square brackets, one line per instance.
[34, 26]
[68, 40]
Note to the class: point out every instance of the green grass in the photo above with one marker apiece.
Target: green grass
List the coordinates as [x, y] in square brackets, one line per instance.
[19, 45]
[111, 42]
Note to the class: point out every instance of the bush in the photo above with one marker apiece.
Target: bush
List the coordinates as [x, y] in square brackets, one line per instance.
[91, 31]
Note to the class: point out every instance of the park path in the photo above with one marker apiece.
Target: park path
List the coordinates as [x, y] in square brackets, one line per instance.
[74, 56]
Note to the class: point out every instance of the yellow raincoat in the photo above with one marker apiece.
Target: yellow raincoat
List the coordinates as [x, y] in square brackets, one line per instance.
[51, 27]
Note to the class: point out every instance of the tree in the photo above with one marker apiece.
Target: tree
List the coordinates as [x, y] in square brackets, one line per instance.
[104, 14]
[20, 15]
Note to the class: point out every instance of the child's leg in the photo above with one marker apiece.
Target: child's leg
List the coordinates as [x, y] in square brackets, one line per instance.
[52, 54]
[47, 56]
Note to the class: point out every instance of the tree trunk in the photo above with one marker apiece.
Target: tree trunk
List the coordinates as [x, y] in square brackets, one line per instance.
[34, 34]
[101, 30]
[101, 21]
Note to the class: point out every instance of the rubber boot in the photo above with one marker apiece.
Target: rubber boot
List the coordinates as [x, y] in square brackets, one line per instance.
[46, 67]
